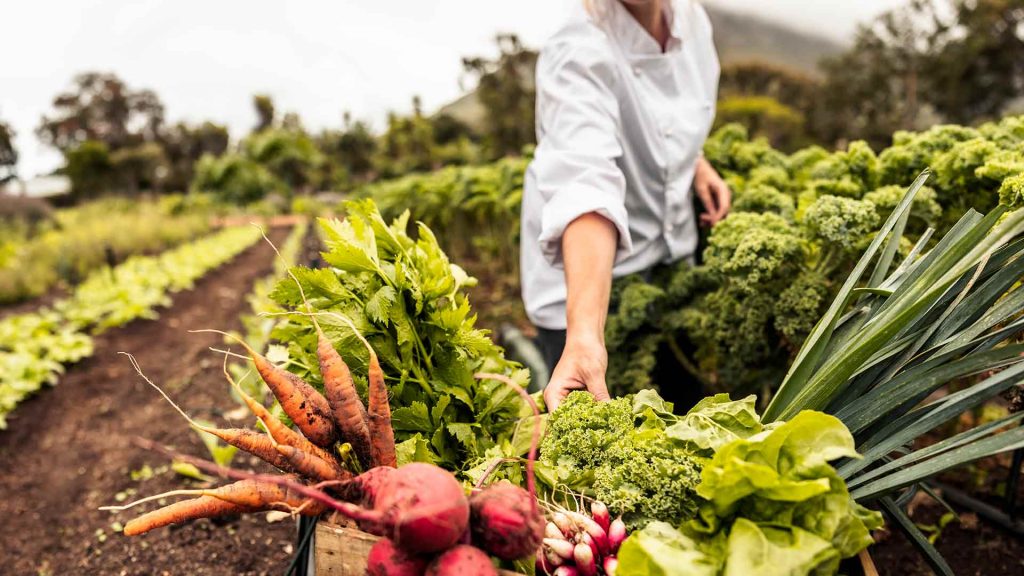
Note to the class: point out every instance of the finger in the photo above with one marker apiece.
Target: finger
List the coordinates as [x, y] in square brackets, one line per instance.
[724, 199]
[705, 198]
[706, 220]
[600, 390]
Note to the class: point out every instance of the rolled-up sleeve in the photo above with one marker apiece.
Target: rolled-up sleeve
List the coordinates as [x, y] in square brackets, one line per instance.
[575, 164]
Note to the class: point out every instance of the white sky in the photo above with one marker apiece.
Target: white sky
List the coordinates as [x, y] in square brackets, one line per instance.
[206, 58]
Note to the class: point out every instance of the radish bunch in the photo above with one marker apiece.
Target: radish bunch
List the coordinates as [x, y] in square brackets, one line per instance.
[576, 544]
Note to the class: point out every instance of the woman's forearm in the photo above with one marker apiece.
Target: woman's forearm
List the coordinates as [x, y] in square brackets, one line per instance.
[588, 252]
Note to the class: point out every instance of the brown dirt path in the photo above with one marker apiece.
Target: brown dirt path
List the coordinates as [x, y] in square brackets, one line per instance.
[69, 450]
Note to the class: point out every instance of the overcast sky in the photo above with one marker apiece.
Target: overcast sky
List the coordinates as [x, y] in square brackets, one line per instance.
[206, 58]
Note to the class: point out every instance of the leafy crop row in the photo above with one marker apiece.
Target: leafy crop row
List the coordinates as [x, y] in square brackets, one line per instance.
[35, 346]
[78, 240]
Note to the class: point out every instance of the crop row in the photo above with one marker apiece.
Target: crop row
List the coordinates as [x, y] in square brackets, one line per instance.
[36, 257]
[34, 347]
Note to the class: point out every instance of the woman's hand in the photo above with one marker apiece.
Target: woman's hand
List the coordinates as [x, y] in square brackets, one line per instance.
[582, 367]
[588, 252]
[713, 192]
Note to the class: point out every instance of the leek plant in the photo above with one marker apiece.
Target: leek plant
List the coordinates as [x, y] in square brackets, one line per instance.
[953, 312]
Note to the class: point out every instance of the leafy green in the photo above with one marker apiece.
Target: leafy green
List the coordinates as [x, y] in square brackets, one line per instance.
[403, 294]
[772, 505]
[637, 457]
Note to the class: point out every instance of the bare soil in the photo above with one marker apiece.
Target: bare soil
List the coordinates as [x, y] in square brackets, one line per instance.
[70, 450]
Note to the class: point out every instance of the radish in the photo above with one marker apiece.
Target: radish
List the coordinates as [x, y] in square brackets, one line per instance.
[552, 531]
[589, 541]
[387, 560]
[585, 561]
[616, 535]
[562, 548]
[564, 524]
[589, 526]
[600, 514]
[566, 571]
[506, 521]
[462, 560]
[611, 564]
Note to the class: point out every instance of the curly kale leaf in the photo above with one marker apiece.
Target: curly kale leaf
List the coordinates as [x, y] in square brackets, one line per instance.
[582, 430]
[763, 198]
[753, 249]
[800, 306]
[841, 222]
[647, 477]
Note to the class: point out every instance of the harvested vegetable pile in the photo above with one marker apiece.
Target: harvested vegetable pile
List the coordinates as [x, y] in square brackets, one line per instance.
[733, 487]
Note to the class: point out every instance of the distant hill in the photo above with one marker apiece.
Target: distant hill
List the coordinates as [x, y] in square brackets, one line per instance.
[748, 37]
[739, 37]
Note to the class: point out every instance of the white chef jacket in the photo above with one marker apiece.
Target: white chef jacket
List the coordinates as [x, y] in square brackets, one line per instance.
[620, 126]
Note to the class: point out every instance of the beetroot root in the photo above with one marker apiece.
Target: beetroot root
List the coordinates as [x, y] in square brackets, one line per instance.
[420, 507]
[506, 521]
[462, 560]
[386, 559]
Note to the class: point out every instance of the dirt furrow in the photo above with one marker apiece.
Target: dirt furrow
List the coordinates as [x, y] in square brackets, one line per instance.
[69, 450]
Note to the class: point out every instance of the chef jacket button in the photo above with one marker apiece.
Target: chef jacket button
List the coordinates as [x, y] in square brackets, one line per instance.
[636, 71]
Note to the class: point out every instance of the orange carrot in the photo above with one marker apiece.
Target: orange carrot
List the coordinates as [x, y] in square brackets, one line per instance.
[381, 433]
[248, 440]
[240, 497]
[382, 436]
[202, 507]
[301, 402]
[280, 433]
[346, 407]
[312, 466]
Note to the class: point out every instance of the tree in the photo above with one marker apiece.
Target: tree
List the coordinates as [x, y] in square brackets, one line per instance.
[505, 87]
[407, 145]
[264, 105]
[8, 153]
[100, 107]
[90, 169]
[290, 155]
[185, 144]
[977, 61]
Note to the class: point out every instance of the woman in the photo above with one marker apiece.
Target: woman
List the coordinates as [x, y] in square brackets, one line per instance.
[625, 99]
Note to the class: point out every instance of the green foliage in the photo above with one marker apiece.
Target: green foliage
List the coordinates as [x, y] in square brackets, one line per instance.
[798, 222]
[637, 457]
[772, 505]
[838, 222]
[765, 116]
[34, 346]
[409, 301]
[235, 179]
[78, 239]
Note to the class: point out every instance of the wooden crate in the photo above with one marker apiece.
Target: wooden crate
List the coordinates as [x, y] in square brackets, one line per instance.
[341, 551]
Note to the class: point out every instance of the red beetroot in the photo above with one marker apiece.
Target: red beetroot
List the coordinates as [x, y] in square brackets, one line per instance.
[420, 507]
[462, 560]
[388, 560]
[506, 521]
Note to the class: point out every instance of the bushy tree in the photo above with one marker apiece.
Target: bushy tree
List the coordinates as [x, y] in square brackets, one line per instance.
[505, 87]
[184, 144]
[8, 153]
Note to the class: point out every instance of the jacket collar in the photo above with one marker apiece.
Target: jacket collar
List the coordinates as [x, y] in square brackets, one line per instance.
[635, 39]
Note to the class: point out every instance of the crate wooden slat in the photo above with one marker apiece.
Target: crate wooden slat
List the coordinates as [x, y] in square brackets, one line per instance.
[342, 551]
